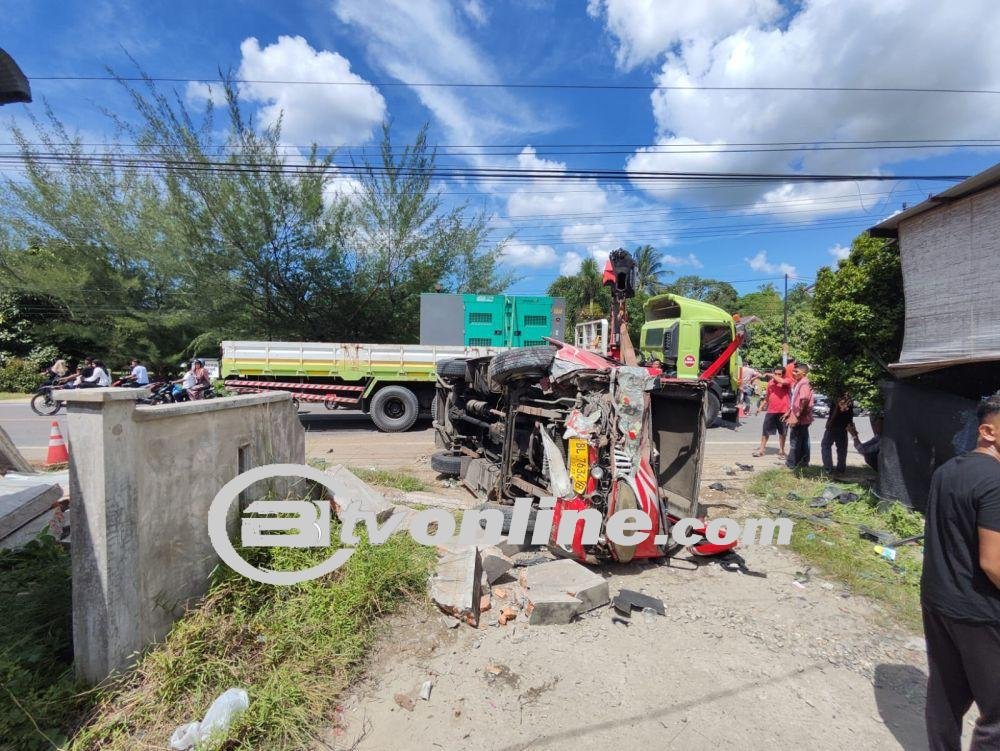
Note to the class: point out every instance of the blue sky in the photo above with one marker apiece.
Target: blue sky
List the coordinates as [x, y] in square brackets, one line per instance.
[734, 232]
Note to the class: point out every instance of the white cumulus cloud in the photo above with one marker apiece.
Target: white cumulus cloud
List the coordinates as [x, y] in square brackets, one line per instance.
[690, 260]
[570, 263]
[643, 29]
[823, 43]
[839, 252]
[327, 115]
[202, 91]
[517, 253]
[760, 263]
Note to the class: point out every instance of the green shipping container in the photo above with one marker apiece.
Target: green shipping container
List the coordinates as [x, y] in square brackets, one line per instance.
[510, 320]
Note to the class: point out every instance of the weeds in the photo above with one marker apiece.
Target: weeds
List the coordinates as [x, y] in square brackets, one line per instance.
[294, 649]
[834, 543]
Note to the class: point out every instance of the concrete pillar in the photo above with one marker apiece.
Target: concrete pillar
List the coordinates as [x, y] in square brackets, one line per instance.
[105, 542]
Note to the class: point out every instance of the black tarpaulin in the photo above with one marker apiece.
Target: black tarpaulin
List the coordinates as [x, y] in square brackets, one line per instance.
[13, 83]
[924, 427]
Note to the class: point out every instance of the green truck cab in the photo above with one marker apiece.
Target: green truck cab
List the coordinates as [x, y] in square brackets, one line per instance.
[687, 336]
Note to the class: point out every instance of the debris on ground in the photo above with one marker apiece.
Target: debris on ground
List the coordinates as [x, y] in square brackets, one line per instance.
[425, 690]
[886, 552]
[405, 702]
[229, 705]
[733, 561]
[346, 488]
[495, 563]
[745, 467]
[560, 590]
[507, 615]
[729, 470]
[882, 538]
[503, 674]
[717, 486]
[456, 585]
[627, 599]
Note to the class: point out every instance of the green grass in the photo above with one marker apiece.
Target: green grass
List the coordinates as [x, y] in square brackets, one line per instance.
[9, 395]
[834, 546]
[294, 649]
[38, 694]
[398, 479]
[386, 478]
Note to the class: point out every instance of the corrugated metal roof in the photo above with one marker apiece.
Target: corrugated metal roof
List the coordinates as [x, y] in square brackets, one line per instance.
[974, 184]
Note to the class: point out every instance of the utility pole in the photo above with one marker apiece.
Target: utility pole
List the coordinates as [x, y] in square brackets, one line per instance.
[784, 339]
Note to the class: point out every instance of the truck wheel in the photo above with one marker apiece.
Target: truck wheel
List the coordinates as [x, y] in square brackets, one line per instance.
[521, 363]
[394, 409]
[713, 408]
[451, 368]
[508, 515]
[448, 463]
[438, 411]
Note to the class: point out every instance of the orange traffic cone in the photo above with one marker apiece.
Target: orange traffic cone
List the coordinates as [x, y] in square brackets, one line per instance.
[57, 447]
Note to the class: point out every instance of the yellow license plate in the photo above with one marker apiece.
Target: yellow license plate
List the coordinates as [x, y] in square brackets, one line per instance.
[579, 463]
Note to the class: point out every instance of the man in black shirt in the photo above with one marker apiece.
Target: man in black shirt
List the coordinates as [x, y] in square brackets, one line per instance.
[960, 591]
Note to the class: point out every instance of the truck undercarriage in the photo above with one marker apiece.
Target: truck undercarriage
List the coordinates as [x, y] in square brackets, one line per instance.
[590, 432]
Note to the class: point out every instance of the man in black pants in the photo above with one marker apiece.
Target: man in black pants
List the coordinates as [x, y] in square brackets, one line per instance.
[960, 591]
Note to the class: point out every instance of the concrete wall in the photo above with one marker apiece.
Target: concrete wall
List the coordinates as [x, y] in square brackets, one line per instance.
[141, 481]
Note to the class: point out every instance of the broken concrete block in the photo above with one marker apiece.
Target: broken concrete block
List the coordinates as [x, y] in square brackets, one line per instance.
[346, 488]
[553, 608]
[456, 586]
[566, 577]
[495, 563]
[509, 549]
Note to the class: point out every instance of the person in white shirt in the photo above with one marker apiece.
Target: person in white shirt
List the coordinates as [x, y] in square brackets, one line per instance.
[99, 377]
[139, 376]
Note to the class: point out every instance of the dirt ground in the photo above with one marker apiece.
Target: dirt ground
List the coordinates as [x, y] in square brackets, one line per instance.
[737, 661]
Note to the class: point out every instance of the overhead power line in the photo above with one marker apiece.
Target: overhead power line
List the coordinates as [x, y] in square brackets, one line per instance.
[494, 173]
[584, 86]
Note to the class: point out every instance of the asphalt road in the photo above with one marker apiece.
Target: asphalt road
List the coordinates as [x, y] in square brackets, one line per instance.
[30, 432]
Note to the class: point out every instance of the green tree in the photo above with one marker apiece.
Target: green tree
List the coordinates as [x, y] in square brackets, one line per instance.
[165, 247]
[711, 291]
[588, 299]
[404, 243]
[649, 269]
[763, 303]
[859, 313]
[764, 349]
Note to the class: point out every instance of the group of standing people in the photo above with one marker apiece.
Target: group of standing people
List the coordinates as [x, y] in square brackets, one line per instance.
[789, 403]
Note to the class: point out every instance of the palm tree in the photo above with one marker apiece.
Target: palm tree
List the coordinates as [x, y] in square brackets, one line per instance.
[649, 269]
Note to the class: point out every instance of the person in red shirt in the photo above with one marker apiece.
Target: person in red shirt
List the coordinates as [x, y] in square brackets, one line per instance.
[799, 417]
[778, 396]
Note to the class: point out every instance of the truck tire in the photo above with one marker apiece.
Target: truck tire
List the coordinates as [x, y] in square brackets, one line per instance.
[713, 408]
[521, 363]
[449, 463]
[394, 409]
[438, 411]
[451, 368]
[508, 514]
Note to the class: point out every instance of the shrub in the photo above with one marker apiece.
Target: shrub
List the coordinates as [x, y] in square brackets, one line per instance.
[19, 375]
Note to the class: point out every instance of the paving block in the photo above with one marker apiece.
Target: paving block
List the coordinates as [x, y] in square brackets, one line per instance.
[456, 585]
[567, 577]
[348, 488]
[495, 563]
[553, 608]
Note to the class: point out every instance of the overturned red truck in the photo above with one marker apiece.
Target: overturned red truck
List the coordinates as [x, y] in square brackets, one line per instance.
[591, 431]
